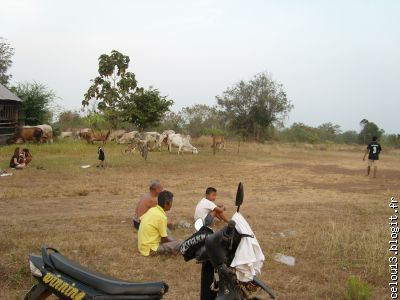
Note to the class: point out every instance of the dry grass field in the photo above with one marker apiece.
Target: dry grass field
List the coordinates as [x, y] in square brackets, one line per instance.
[337, 218]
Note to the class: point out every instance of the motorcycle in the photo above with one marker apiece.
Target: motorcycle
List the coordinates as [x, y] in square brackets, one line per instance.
[57, 275]
[216, 251]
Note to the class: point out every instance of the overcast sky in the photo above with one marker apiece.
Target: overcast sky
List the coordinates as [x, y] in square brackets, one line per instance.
[339, 61]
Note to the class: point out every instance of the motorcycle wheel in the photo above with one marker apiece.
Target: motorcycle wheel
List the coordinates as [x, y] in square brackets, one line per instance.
[37, 293]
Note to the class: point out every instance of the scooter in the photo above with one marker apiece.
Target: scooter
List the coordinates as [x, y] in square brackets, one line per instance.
[57, 275]
[216, 251]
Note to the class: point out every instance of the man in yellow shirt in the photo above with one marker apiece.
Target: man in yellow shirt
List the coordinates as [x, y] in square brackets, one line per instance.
[152, 236]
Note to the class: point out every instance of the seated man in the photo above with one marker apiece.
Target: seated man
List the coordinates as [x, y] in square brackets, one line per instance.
[147, 201]
[152, 236]
[207, 210]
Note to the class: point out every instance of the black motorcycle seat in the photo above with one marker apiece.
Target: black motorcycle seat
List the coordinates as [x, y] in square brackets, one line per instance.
[104, 283]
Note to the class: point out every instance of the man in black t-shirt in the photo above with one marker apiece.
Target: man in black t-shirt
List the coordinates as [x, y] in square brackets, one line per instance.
[373, 150]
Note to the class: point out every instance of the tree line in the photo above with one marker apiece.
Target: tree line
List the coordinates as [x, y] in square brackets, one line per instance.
[252, 110]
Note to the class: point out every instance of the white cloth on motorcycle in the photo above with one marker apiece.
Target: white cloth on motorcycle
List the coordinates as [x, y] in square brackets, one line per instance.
[249, 258]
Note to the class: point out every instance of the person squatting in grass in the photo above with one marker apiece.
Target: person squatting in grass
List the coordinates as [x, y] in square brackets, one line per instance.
[153, 238]
[207, 209]
[373, 150]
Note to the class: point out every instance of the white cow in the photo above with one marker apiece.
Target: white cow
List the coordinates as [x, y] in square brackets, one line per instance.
[182, 142]
[164, 138]
[127, 137]
[47, 132]
[66, 134]
[80, 132]
[149, 138]
[116, 134]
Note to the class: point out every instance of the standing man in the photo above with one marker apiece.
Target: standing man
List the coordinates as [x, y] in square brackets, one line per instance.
[147, 201]
[373, 150]
[207, 210]
[153, 238]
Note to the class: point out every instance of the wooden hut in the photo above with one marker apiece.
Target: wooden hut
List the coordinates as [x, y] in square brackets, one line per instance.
[10, 106]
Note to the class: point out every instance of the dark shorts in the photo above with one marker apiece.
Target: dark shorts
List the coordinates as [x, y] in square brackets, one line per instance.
[136, 224]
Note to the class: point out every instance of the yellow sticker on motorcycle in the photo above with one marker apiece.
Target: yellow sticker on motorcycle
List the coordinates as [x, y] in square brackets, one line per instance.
[68, 290]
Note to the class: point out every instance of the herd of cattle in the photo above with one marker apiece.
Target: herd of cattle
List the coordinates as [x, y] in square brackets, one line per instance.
[151, 140]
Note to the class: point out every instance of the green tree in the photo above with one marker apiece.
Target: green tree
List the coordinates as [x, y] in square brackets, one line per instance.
[368, 130]
[328, 132]
[146, 108]
[69, 119]
[96, 121]
[392, 140]
[202, 119]
[251, 107]
[119, 98]
[348, 137]
[6, 53]
[37, 100]
[301, 133]
[172, 121]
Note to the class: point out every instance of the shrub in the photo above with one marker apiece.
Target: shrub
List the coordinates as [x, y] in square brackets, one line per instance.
[356, 289]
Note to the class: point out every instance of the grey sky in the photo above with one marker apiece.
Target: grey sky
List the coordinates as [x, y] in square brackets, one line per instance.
[339, 61]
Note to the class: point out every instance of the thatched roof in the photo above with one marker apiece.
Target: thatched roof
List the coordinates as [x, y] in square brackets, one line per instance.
[5, 94]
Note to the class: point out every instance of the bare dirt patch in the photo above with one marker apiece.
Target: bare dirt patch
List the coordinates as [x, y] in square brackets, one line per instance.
[338, 214]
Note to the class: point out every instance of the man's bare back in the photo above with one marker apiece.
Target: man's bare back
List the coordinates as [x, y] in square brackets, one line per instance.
[145, 203]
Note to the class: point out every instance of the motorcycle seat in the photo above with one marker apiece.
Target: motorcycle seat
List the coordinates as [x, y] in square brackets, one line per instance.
[104, 283]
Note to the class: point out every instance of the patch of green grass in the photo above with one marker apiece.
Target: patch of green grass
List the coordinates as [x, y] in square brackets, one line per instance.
[356, 289]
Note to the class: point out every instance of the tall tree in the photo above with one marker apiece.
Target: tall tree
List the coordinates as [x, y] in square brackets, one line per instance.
[146, 108]
[368, 130]
[251, 107]
[328, 132]
[202, 119]
[119, 98]
[69, 119]
[172, 120]
[6, 53]
[37, 102]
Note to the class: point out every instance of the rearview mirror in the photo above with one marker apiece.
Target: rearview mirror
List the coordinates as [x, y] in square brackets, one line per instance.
[239, 196]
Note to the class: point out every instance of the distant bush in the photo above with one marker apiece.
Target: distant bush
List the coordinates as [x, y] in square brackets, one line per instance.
[356, 289]
[300, 133]
[392, 140]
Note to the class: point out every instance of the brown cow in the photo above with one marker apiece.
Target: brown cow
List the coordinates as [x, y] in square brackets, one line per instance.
[26, 134]
[219, 142]
[99, 136]
[86, 135]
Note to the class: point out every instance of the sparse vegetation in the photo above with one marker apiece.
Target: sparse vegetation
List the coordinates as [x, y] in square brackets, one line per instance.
[321, 195]
[356, 289]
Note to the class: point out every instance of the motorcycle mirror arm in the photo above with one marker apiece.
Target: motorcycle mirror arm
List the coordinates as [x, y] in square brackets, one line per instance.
[239, 196]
